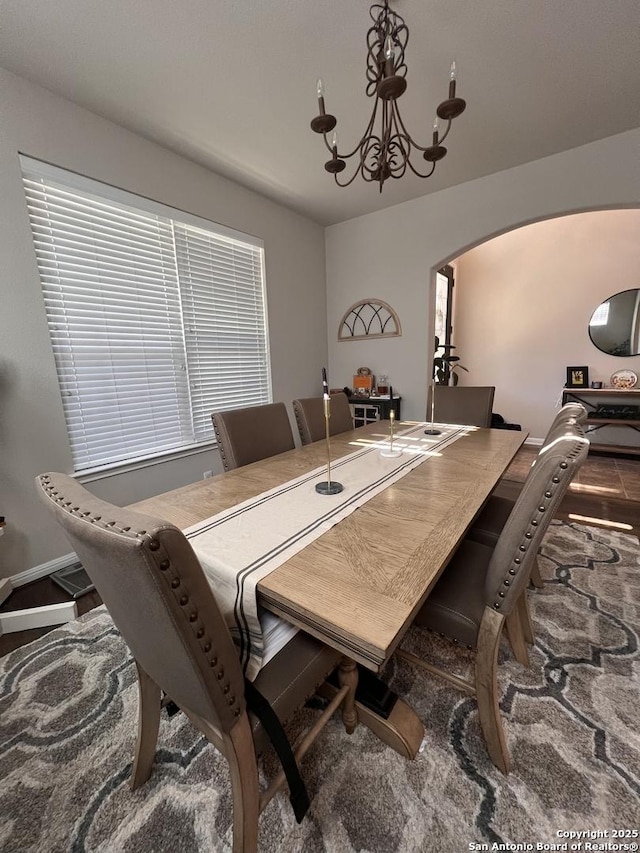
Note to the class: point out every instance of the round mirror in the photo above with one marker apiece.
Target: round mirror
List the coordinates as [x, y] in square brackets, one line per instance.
[614, 326]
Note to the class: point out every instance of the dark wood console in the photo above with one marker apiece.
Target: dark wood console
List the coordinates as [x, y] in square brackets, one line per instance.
[593, 398]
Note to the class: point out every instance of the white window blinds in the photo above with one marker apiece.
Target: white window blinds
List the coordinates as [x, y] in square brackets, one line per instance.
[224, 323]
[154, 322]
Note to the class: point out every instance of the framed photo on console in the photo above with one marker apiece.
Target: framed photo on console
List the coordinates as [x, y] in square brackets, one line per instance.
[577, 377]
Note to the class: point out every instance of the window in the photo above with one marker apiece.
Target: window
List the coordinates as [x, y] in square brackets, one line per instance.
[444, 299]
[156, 318]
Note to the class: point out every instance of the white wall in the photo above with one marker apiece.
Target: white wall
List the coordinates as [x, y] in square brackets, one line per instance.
[392, 254]
[523, 304]
[33, 437]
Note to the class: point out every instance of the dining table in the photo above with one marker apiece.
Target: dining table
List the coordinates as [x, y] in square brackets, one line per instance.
[358, 586]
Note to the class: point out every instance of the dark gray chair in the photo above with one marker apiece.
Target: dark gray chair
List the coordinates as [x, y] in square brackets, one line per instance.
[464, 404]
[157, 595]
[247, 435]
[482, 590]
[309, 413]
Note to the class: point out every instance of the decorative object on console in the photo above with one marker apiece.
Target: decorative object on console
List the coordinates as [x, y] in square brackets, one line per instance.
[624, 379]
[363, 382]
[369, 318]
[577, 377]
[386, 152]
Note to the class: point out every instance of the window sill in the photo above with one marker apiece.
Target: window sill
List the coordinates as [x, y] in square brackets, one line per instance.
[90, 475]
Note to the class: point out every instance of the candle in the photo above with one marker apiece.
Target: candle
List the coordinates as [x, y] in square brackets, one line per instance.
[325, 387]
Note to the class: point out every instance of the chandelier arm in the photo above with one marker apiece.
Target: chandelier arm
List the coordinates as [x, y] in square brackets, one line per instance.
[442, 138]
[352, 178]
[363, 139]
[419, 174]
[414, 143]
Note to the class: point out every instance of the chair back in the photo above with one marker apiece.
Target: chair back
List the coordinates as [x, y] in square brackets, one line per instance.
[569, 413]
[309, 414]
[516, 549]
[155, 590]
[247, 435]
[464, 404]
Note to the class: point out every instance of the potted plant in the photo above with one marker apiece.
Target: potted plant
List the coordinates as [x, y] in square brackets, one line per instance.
[446, 365]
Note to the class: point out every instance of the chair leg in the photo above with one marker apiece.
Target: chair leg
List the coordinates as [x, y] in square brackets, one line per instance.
[517, 635]
[348, 676]
[525, 618]
[243, 768]
[536, 577]
[149, 696]
[487, 688]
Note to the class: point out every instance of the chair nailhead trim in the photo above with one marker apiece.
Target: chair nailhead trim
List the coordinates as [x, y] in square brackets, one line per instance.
[507, 582]
[512, 571]
[164, 564]
[517, 560]
[555, 479]
[497, 605]
[534, 523]
[548, 494]
[501, 594]
[541, 509]
[522, 548]
[528, 535]
[564, 465]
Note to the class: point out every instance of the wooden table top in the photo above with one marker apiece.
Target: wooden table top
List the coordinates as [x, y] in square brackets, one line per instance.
[359, 586]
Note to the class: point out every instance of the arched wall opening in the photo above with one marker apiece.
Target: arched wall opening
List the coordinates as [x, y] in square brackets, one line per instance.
[392, 254]
[523, 301]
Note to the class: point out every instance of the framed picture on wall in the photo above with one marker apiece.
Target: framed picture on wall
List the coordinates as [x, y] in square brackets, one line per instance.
[577, 377]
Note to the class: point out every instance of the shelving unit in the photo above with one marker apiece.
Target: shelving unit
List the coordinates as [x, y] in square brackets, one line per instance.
[368, 410]
[630, 396]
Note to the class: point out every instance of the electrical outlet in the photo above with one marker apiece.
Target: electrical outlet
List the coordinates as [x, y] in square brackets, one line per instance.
[207, 474]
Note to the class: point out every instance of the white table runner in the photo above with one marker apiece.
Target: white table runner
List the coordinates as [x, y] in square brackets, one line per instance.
[241, 545]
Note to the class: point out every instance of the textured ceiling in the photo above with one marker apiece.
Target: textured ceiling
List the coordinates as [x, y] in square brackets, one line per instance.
[231, 83]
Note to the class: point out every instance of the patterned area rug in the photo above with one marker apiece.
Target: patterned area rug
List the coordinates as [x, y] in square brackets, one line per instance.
[68, 707]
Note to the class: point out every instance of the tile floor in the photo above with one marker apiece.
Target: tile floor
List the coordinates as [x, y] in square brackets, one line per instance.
[604, 476]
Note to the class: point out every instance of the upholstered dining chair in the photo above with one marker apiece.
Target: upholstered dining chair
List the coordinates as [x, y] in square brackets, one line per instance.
[464, 404]
[256, 432]
[488, 525]
[158, 597]
[482, 589]
[309, 413]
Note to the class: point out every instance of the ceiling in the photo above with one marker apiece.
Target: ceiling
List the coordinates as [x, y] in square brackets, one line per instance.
[231, 84]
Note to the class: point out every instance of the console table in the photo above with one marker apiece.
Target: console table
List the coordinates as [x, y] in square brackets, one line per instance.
[368, 410]
[591, 398]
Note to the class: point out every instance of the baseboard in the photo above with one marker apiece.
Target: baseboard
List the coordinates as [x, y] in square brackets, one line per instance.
[43, 570]
[6, 588]
[38, 617]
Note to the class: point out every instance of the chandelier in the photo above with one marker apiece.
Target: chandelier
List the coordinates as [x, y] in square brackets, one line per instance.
[385, 151]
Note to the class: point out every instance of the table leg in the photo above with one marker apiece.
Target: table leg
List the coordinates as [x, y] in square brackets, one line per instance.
[348, 675]
[403, 731]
